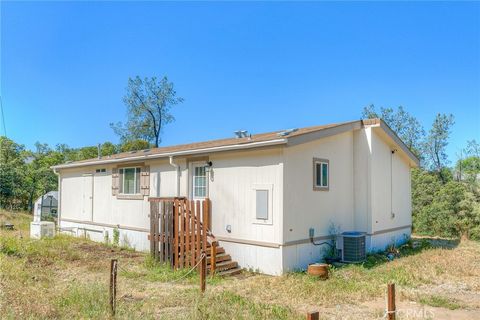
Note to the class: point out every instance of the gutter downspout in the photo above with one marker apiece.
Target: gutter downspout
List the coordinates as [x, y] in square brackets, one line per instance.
[173, 164]
[59, 200]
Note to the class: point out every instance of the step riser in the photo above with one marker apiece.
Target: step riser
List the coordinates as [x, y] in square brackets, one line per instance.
[220, 259]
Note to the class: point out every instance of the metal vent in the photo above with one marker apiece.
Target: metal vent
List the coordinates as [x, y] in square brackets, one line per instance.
[285, 133]
[353, 246]
[241, 133]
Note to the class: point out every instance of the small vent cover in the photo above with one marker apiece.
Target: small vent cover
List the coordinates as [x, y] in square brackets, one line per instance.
[353, 246]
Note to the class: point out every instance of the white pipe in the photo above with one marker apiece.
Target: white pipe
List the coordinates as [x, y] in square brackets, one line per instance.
[177, 167]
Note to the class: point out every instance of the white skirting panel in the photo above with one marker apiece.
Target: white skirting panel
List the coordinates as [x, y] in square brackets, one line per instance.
[298, 257]
[137, 240]
[256, 258]
[380, 242]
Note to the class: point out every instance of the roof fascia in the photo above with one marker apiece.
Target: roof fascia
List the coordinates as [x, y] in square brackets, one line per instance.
[381, 124]
[323, 133]
[174, 154]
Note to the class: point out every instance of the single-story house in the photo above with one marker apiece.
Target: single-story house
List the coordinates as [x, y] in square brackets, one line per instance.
[273, 195]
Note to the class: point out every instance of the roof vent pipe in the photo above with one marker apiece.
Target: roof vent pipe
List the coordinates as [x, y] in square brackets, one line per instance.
[241, 133]
[99, 151]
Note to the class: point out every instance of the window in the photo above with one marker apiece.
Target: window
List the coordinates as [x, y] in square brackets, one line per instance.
[199, 182]
[103, 170]
[130, 180]
[320, 174]
[262, 204]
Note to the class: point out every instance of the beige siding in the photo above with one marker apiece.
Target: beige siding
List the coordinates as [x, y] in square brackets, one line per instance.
[390, 186]
[366, 183]
[306, 208]
[231, 189]
[362, 169]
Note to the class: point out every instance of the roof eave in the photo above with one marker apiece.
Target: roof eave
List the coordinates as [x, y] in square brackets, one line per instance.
[235, 147]
[327, 132]
[384, 126]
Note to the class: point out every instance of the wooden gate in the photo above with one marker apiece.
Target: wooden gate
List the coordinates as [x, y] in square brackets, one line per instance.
[179, 231]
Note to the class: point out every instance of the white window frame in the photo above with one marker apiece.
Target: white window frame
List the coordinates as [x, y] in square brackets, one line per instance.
[134, 179]
[192, 176]
[266, 187]
[321, 162]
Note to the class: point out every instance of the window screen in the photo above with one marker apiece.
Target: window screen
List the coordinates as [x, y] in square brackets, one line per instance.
[262, 204]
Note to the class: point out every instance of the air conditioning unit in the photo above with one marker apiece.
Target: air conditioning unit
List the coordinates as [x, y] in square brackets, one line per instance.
[352, 245]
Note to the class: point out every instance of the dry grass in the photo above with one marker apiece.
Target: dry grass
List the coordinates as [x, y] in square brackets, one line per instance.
[67, 277]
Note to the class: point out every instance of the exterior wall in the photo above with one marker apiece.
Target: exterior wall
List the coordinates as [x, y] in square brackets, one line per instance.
[390, 183]
[305, 208]
[255, 258]
[362, 150]
[129, 238]
[379, 242]
[231, 182]
[231, 189]
[366, 184]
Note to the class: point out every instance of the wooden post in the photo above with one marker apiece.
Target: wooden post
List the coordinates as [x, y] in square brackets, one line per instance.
[391, 302]
[187, 233]
[203, 272]
[313, 315]
[198, 248]
[204, 226]
[213, 257]
[152, 230]
[181, 211]
[175, 233]
[113, 285]
[193, 252]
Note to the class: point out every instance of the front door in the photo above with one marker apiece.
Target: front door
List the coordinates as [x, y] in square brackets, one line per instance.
[87, 201]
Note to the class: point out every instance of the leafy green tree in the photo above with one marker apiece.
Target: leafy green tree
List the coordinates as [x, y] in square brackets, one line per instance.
[406, 126]
[468, 168]
[39, 177]
[436, 143]
[468, 164]
[12, 162]
[149, 104]
[134, 145]
[85, 153]
[453, 211]
[108, 149]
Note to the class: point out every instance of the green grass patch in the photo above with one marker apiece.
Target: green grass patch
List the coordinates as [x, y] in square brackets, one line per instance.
[162, 272]
[228, 305]
[84, 301]
[440, 301]
[57, 248]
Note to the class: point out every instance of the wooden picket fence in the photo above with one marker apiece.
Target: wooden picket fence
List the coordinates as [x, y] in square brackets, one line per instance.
[179, 232]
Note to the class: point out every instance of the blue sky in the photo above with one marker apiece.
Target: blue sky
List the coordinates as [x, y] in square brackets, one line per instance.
[254, 66]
